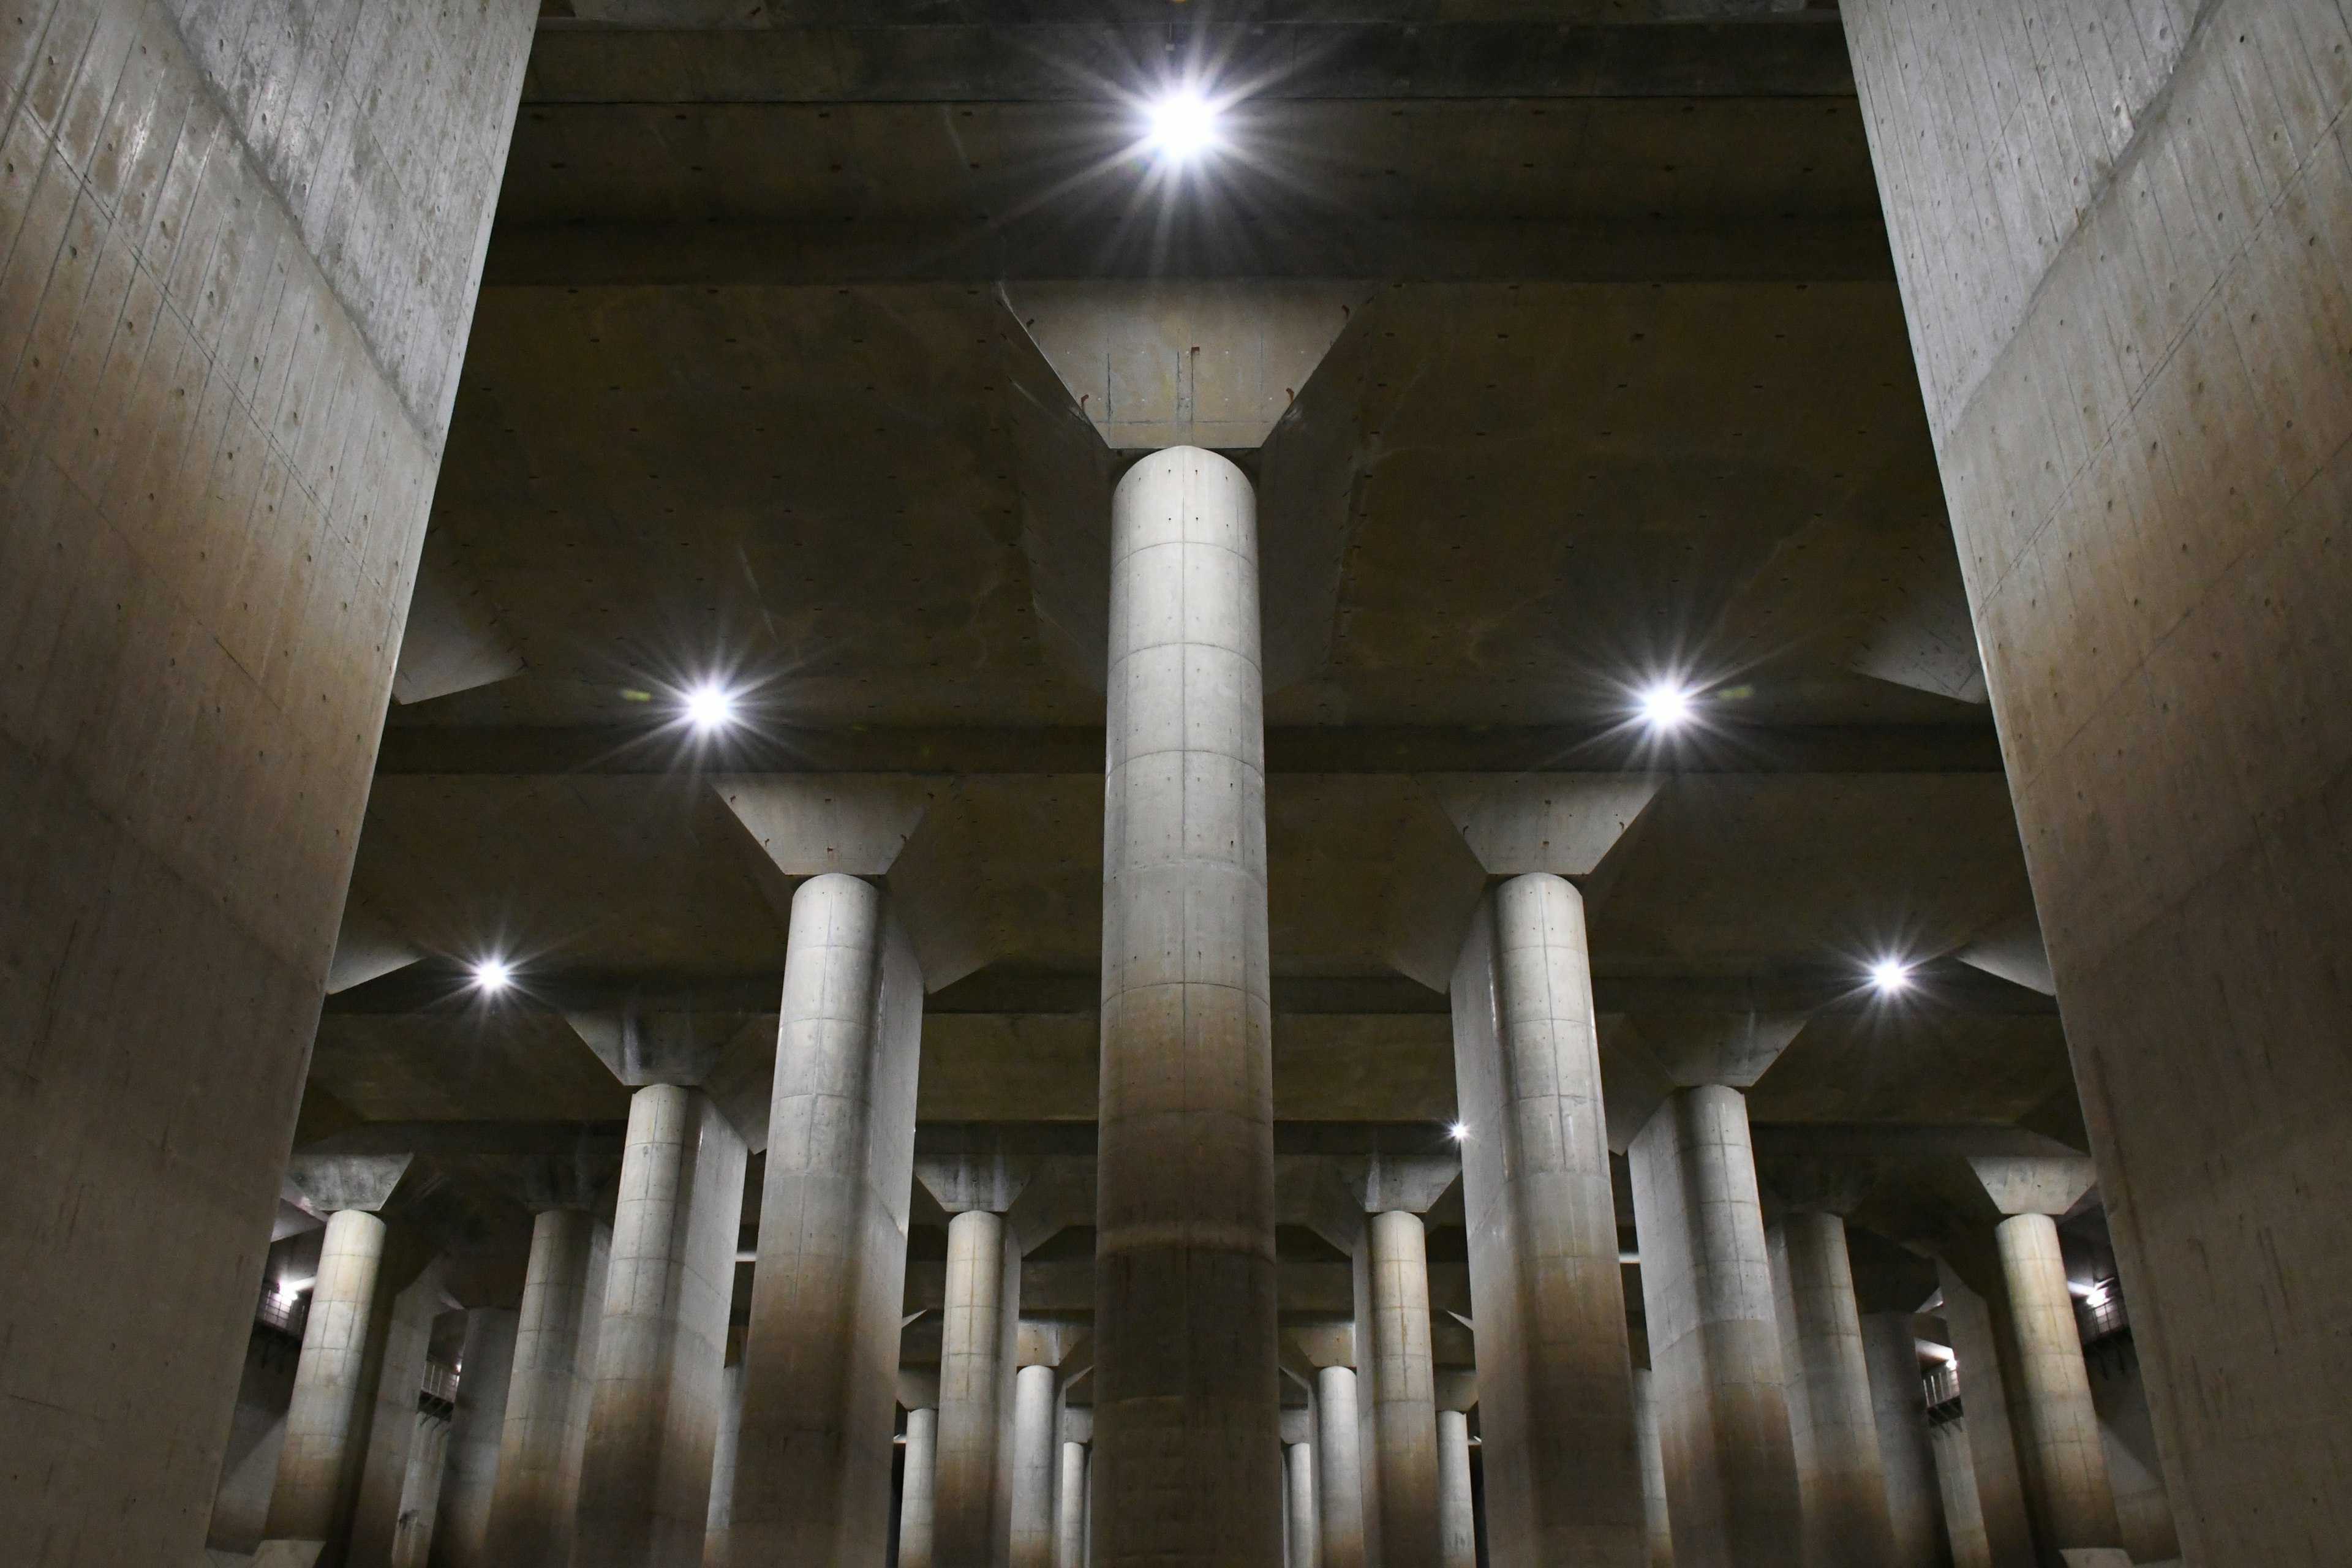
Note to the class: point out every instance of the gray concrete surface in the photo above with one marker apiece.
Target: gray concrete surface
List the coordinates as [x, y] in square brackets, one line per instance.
[919, 1484]
[2157, 273]
[821, 1348]
[477, 1432]
[661, 1348]
[1915, 1512]
[1185, 1398]
[1339, 1470]
[232, 347]
[549, 1392]
[1841, 1476]
[1715, 1341]
[1556, 1417]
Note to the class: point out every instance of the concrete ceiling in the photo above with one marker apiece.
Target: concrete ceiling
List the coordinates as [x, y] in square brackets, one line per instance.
[756, 387]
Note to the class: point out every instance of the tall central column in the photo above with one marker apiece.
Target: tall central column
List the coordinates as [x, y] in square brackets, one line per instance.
[1404, 1397]
[820, 1355]
[1188, 1407]
[316, 1469]
[653, 1421]
[1715, 1339]
[1841, 1477]
[965, 1521]
[1338, 1468]
[546, 1427]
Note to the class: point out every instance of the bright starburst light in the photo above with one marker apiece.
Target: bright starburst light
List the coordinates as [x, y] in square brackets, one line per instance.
[711, 707]
[1182, 124]
[1667, 705]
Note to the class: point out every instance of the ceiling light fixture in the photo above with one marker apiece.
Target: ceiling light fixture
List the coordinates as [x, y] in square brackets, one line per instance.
[711, 707]
[1890, 975]
[1458, 1132]
[1667, 705]
[493, 975]
[1182, 124]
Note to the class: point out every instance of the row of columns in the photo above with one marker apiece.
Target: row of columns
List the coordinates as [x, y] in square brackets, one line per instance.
[1758, 1387]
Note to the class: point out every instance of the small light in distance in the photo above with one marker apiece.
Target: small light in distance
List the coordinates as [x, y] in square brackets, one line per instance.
[1458, 1132]
[1666, 705]
[493, 975]
[711, 707]
[1182, 124]
[1890, 975]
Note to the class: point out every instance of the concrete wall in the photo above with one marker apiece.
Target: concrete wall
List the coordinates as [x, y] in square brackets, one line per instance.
[237, 250]
[2123, 232]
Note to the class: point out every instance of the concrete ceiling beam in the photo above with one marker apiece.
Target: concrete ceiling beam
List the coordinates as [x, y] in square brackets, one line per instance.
[1408, 56]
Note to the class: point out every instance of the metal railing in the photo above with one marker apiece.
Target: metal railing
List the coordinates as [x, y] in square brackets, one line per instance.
[287, 1314]
[440, 1383]
[2101, 1312]
[1941, 1385]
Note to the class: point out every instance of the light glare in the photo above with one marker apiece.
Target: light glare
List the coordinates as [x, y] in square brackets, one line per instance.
[1666, 705]
[709, 706]
[1458, 1132]
[493, 975]
[1890, 974]
[1182, 124]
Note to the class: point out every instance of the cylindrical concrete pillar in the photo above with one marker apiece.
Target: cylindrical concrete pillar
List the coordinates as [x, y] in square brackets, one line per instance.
[1069, 1508]
[1714, 1340]
[1890, 1345]
[821, 1351]
[1033, 1463]
[718, 1532]
[320, 1461]
[1841, 1477]
[1404, 1397]
[1659, 1532]
[1555, 1408]
[1303, 1539]
[461, 1525]
[917, 1488]
[545, 1431]
[1338, 1468]
[653, 1419]
[1956, 1480]
[2067, 1465]
[1188, 1400]
[1457, 1516]
[971, 1348]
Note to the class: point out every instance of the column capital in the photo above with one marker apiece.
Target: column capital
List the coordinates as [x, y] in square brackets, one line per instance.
[2020, 1185]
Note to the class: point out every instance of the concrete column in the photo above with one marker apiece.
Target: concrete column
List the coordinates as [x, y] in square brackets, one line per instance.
[318, 1468]
[1996, 1482]
[1956, 1480]
[1658, 1533]
[1034, 1456]
[652, 1418]
[1715, 1339]
[484, 1371]
[719, 1528]
[1841, 1478]
[972, 1350]
[1457, 1516]
[2138, 416]
[821, 1354]
[1555, 1404]
[417, 1521]
[2065, 1465]
[1890, 1347]
[917, 1488]
[546, 1427]
[1303, 1540]
[391, 1423]
[1188, 1403]
[267, 328]
[1405, 1395]
[1339, 1470]
[1069, 1509]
